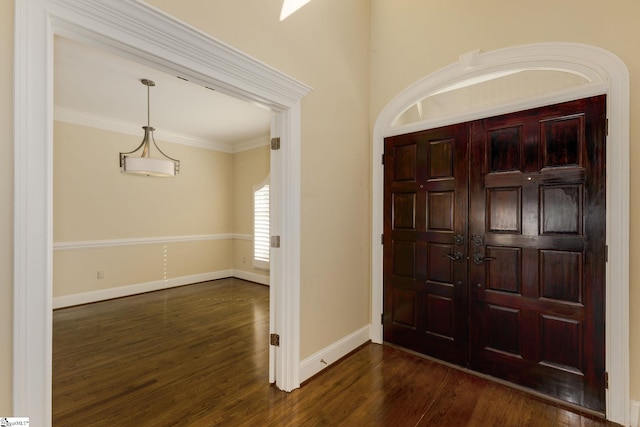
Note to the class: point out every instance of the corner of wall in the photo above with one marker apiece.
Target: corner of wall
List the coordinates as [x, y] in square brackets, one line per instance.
[251, 277]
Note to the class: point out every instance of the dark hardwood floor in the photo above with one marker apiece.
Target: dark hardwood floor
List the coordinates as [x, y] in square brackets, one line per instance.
[198, 356]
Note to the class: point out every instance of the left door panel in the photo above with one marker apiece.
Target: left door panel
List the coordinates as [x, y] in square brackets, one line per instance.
[425, 241]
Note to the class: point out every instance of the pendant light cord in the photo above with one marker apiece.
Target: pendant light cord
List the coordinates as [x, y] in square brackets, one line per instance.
[148, 105]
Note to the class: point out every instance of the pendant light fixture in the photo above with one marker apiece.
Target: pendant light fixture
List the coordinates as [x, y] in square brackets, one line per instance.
[145, 164]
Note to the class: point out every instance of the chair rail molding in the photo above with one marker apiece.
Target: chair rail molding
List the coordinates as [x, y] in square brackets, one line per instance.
[138, 31]
[605, 74]
[90, 244]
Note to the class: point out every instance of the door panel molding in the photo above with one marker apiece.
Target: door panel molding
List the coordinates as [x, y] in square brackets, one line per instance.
[606, 74]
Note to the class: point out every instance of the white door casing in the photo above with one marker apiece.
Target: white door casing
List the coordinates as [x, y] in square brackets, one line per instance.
[605, 74]
[136, 30]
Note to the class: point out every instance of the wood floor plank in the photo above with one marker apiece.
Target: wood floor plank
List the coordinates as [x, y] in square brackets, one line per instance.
[456, 402]
[198, 356]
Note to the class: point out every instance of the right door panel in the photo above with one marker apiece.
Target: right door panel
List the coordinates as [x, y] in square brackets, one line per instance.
[537, 249]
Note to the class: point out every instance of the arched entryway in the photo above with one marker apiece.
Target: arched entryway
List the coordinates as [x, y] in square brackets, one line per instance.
[597, 72]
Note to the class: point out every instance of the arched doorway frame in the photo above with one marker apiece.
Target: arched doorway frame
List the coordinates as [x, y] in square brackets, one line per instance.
[606, 74]
[145, 34]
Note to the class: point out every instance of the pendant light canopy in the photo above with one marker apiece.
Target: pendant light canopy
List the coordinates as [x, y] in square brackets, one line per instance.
[144, 164]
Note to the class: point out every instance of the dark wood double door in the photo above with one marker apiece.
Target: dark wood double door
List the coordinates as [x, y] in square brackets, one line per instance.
[494, 247]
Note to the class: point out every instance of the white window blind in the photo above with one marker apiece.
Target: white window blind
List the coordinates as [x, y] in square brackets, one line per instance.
[261, 227]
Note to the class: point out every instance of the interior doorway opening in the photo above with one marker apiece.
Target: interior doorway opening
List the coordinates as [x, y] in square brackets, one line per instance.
[134, 231]
[169, 45]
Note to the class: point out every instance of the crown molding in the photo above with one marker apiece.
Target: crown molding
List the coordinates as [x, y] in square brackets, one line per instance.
[82, 118]
[251, 144]
[77, 117]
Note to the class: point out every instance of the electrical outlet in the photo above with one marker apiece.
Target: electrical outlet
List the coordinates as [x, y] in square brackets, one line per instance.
[100, 275]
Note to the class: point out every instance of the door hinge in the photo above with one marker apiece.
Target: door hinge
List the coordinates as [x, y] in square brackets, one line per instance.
[382, 318]
[606, 253]
[382, 239]
[275, 241]
[383, 158]
[606, 379]
[275, 143]
[606, 130]
[274, 340]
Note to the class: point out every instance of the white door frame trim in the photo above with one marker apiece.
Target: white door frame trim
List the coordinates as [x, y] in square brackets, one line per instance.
[146, 34]
[606, 74]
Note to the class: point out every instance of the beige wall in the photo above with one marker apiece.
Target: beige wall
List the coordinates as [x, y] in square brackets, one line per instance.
[93, 201]
[6, 205]
[413, 38]
[325, 45]
[250, 168]
[75, 271]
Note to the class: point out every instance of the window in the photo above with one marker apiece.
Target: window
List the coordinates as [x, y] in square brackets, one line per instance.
[261, 226]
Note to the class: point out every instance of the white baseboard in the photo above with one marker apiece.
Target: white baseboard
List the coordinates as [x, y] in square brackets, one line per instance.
[139, 288]
[635, 414]
[251, 277]
[328, 355]
[124, 291]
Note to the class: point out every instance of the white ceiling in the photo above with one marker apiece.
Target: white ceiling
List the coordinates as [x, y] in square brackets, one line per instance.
[95, 87]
